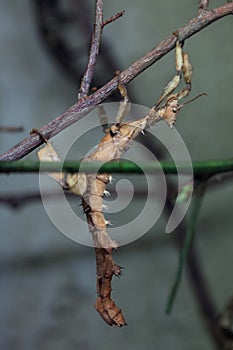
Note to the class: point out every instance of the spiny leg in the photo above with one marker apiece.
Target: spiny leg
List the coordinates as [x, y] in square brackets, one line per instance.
[182, 66]
[171, 86]
[171, 107]
[187, 70]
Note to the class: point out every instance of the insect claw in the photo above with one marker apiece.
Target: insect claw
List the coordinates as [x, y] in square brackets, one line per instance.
[111, 179]
[118, 271]
[107, 222]
[176, 33]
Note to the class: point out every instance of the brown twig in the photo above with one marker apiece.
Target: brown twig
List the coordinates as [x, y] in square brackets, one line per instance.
[84, 106]
[11, 128]
[18, 200]
[203, 7]
[113, 18]
[202, 292]
[94, 51]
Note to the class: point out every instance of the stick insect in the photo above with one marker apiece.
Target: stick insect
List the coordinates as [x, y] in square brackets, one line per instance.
[92, 188]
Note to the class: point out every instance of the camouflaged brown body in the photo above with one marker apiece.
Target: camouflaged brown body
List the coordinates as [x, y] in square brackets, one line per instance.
[112, 146]
[106, 307]
[92, 187]
[93, 207]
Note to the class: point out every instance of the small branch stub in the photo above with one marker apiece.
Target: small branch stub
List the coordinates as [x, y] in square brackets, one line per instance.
[113, 18]
[203, 7]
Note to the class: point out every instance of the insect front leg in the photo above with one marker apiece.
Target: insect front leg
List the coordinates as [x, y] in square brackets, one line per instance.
[187, 70]
[172, 85]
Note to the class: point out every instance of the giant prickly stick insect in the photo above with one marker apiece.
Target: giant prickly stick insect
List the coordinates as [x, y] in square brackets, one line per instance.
[119, 137]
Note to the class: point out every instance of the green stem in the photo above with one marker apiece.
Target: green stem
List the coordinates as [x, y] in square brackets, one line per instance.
[191, 229]
[200, 168]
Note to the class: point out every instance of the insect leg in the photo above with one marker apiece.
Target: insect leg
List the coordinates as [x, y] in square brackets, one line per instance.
[187, 70]
[171, 86]
[103, 117]
[124, 107]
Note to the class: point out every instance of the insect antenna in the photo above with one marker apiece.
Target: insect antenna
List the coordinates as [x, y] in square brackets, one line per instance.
[192, 99]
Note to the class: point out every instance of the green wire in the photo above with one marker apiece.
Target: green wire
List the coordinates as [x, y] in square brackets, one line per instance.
[199, 168]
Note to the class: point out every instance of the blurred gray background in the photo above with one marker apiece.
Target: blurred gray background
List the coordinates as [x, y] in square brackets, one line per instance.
[47, 289]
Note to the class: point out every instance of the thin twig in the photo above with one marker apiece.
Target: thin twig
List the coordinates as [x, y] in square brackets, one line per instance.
[106, 55]
[225, 329]
[84, 106]
[190, 232]
[94, 51]
[113, 18]
[203, 7]
[199, 283]
[202, 292]
[11, 128]
[54, 22]
[16, 201]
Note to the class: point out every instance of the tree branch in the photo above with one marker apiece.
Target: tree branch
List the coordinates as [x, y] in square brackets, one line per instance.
[84, 106]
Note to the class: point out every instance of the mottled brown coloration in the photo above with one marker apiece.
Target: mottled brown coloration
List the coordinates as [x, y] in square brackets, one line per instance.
[105, 268]
[119, 137]
[93, 207]
[106, 307]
